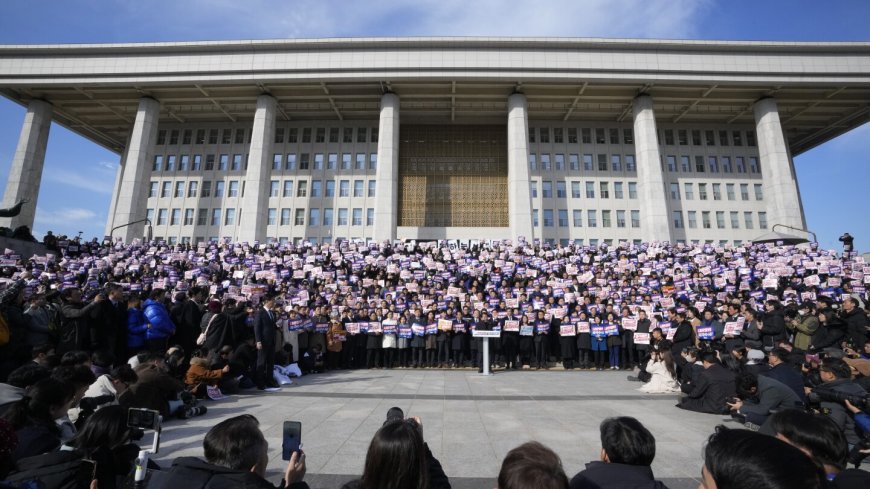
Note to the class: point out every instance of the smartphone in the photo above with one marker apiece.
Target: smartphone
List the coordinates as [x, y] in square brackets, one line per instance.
[145, 419]
[86, 472]
[292, 438]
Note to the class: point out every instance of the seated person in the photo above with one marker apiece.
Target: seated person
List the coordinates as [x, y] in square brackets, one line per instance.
[748, 460]
[691, 369]
[758, 396]
[532, 465]
[34, 417]
[199, 377]
[157, 390]
[236, 455]
[714, 386]
[627, 452]
[398, 457]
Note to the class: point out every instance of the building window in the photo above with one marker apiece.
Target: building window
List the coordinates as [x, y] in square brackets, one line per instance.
[692, 219]
[574, 162]
[345, 161]
[747, 220]
[744, 191]
[184, 163]
[314, 217]
[347, 135]
[197, 163]
[230, 217]
[318, 160]
[303, 161]
[288, 188]
[219, 188]
[563, 218]
[620, 219]
[330, 189]
[575, 190]
[547, 189]
[729, 191]
[170, 163]
[735, 220]
[678, 219]
[370, 216]
[591, 218]
[271, 216]
[240, 136]
[753, 165]
[373, 160]
[327, 216]
[614, 135]
[605, 219]
[675, 191]
[740, 163]
[602, 162]
[705, 220]
[578, 218]
[672, 163]
[223, 162]
[302, 188]
[709, 138]
[545, 135]
[161, 137]
[669, 137]
[285, 217]
[632, 190]
[533, 162]
[605, 192]
[560, 162]
[629, 163]
[548, 218]
[273, 188]
[206, 188]
[635, 218]
[360, 161]
[685, 164]
[572, 135]
[175, 217]
[152, 189]
[534, 217]
[762, 220]
[533, 189]
[164, 191]
[616, 162]
[726, 165]
[299, 219]
[342, 216]
[545, 162]
[702, 191]
[590, 190]
[344, 188]
[215, 217]
[161, 217]
[356, 217]
[617, 190]
[179, 190]
[357, 188]
[759, 193]
[201, 217]
[233, 189]
[279, 135]
[682, 137]
[372, 186]
[586, 135]
[720, 219]
[315, 188]
[587, 162]
[717, 191]
[361, 134]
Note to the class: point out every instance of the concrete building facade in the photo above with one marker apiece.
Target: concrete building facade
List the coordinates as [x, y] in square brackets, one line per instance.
[559, 140]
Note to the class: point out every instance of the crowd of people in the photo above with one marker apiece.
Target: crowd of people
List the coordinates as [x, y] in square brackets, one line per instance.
[753, 331]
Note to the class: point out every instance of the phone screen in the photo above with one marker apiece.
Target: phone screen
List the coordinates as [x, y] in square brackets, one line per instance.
[292, 438]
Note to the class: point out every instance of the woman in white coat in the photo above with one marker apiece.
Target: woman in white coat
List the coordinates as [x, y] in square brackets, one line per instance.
[661, 367]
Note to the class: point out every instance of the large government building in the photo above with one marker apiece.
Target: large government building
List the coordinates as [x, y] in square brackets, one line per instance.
[591, 140]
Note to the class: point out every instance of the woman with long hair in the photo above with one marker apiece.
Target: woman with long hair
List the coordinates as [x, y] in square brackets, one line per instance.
[661, 367]
[105, 439]
[33, 417]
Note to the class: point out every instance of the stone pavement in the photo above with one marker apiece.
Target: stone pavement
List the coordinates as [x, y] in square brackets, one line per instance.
[469, 421]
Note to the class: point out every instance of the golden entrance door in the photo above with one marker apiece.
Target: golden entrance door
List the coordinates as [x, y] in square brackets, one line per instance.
[453, 176]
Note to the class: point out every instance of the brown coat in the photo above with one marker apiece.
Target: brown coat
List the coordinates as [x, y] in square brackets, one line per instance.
[152, 391]
[199, 376]
[332, 344]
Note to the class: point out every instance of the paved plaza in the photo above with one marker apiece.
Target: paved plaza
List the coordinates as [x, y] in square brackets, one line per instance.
[470, 421]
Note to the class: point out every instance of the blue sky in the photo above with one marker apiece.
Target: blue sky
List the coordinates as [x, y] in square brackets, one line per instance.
[78, 175]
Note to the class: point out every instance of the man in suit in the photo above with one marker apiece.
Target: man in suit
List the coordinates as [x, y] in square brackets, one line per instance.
[759, 396]
[780, 370]
[713, 387]
[264, 332]
[110, 331]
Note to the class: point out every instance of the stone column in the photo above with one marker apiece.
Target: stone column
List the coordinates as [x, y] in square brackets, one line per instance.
[387, 191]
[654, 223]
[519, 195]
[25, 174]
[777, 169]
[138, 158]
[119, 175]
[255, 202]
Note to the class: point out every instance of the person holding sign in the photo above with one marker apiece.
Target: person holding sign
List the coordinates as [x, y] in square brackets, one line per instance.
[445, 330]
[584, 340]
[334, 343]
[567, 333]
[431, 332]
[542, 330]
[709, 329]
[614, 339]
[484, 324]
[388, 339]
[629, 326]
[459, 342]
[527, 330]
[374, 343]
[510, 340]
[418, 339]
[599, 340]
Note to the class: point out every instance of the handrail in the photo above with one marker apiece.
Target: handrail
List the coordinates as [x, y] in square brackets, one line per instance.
[134, 222]
[815, 239]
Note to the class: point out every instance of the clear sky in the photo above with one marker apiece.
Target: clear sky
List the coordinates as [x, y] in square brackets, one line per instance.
[79, 175]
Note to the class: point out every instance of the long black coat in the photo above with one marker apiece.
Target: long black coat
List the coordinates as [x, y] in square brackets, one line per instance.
[218, 331]
[713, 387]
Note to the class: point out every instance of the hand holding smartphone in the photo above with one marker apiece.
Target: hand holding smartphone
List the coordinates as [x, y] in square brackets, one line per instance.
[292, 439]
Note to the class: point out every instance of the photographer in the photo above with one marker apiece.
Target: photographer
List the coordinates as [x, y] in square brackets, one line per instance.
[836, 387]
[848, 242]
[236, 455]
[856, 322]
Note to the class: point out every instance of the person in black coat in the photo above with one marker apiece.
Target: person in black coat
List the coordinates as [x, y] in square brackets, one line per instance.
[190, 318]
[485, 324]
[217, 326]
[856, 323]
[713, 387]
[236, 457]
[627, 452]
[772, 327]
[264, 332]
[110, 324]
[782, 371]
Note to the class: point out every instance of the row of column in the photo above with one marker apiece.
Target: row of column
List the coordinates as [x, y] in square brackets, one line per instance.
[128, 197]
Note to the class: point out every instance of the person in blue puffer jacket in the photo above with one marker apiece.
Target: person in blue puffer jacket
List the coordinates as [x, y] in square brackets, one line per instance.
[137, 326]
[160, 326]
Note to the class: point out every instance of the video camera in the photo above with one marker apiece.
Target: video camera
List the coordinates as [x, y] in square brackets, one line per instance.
[144, 419]
[822, 394]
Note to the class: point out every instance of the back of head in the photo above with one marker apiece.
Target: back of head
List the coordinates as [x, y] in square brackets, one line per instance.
[626, 441]
[532, 465]
[838, 367]
[396, 458]
[77, 376]
[38, 402]
[236, 443]
[27, 375]
[710, 357]
[107, 427]
[743, 459]
[816, 434]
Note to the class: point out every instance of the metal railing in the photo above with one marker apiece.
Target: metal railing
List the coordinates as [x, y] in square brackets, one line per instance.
[148, 237]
